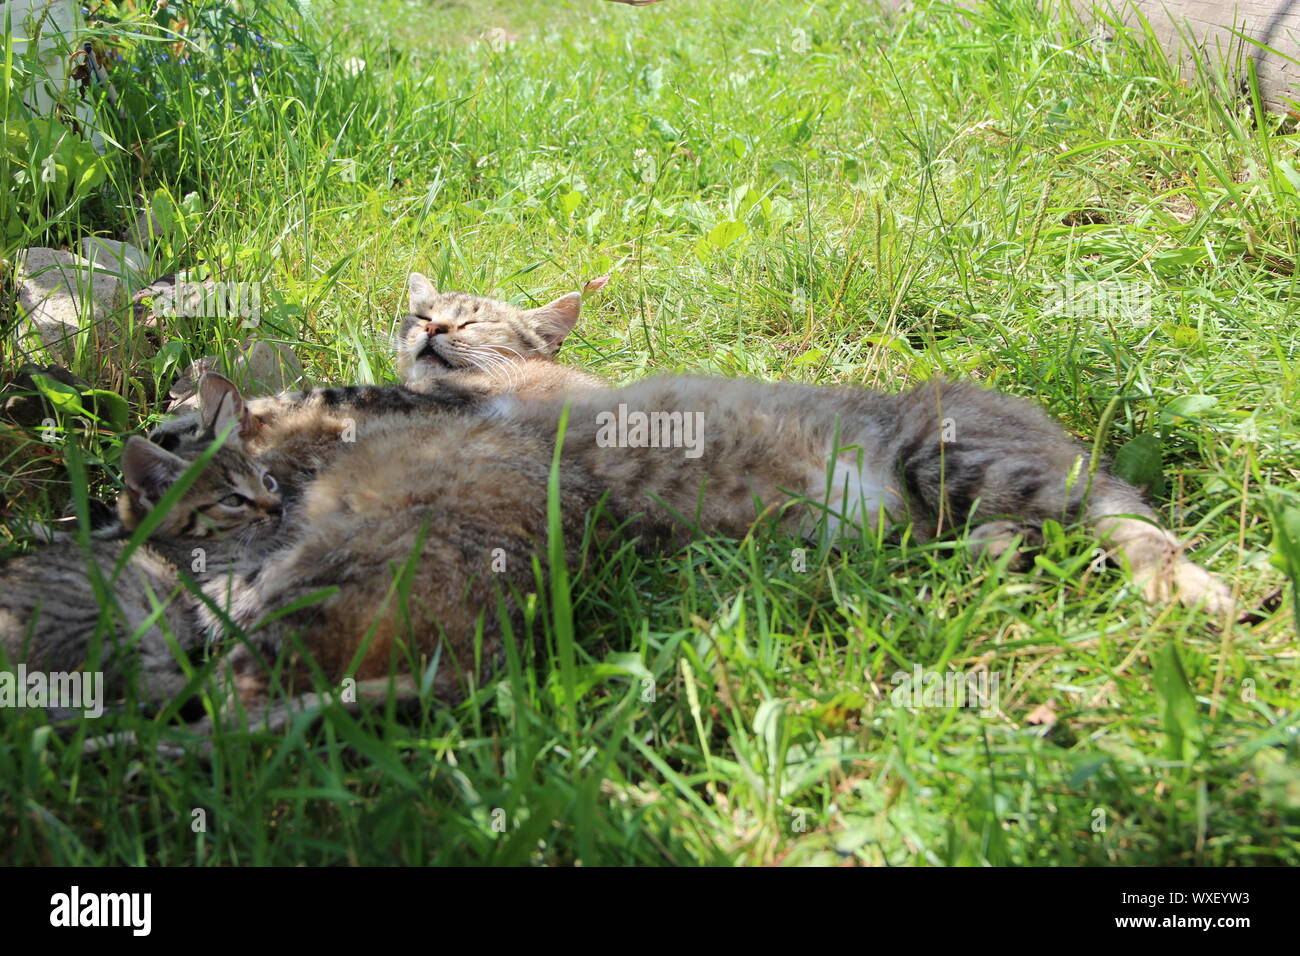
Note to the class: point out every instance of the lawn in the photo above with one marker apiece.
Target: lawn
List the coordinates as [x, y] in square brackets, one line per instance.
[811, 191]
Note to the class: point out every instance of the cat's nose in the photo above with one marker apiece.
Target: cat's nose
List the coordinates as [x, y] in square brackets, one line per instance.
[436, 328]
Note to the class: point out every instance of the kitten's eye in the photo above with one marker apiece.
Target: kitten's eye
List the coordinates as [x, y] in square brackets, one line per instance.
[269, 483]
[235, 501]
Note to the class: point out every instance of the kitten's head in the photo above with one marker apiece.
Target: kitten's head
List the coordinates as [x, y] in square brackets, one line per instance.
[232, 493]
[450, 331]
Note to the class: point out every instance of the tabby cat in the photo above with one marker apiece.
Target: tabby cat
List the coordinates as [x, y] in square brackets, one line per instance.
[433, 510]
[49, 609]
[831, 461]
[485, 345]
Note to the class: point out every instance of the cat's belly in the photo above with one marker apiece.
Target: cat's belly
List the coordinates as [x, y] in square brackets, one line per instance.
[855, 494]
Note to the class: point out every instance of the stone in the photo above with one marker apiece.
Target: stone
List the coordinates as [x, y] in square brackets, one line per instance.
[268, 367]
[62, 296]
[120, 259]
[168, 299]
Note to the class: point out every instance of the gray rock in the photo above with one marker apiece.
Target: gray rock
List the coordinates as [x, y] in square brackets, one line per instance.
[62, 296]
[120, 259]
[267, 368]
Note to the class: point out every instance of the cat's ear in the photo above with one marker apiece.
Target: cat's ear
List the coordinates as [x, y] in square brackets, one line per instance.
[422, 294]
[220, 404]
[555, 320]
[148, 471]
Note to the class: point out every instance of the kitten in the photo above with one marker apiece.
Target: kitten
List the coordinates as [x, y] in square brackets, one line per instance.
[486, 345]
[832, 461]
[423, 527]
[454, 352]
[49, 609]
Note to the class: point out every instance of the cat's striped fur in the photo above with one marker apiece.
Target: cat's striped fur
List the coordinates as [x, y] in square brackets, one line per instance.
[52, 614]
[406, 518]
[944, 456]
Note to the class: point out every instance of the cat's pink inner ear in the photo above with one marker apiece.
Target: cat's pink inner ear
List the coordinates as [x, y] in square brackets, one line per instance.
[147, 470]
[555, 320]
[422, 294]
[220, 404]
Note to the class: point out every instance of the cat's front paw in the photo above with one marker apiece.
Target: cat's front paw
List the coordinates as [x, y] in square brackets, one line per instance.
[993, 539]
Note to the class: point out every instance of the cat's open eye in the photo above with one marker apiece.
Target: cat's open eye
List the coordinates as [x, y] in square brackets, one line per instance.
[235, 501]
[269, 483]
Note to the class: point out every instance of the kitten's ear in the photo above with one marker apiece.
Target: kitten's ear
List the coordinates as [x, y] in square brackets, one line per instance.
[555, 320]
[422, 294]
[220, 404]
[148, 471]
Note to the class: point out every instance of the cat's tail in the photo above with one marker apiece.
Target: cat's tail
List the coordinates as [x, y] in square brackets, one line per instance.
[1131, 533]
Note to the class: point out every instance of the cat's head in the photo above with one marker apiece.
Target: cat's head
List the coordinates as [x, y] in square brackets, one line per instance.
[233, 492]
[452, 331]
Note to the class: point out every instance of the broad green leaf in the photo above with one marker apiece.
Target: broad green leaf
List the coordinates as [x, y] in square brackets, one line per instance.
[109, 406]
[1187, 406]
[570, 201]
[1139, 463]
[61, 396]
[725, 233]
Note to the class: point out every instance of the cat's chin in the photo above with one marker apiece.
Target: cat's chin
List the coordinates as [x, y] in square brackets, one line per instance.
[429, 362]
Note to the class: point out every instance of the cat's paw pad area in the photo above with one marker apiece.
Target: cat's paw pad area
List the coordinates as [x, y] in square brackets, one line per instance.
[993, 539]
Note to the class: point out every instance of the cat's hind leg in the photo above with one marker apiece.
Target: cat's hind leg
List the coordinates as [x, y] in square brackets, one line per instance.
[1154, 556]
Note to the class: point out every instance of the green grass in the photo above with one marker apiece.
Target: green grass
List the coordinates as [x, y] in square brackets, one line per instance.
[797, 190]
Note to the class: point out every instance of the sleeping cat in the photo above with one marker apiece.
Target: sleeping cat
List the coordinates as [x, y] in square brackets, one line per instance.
[486, 345]
[835, 461]
[454, 352]
[49, 609]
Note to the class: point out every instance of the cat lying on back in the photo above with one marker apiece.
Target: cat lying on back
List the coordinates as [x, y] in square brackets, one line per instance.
[485, 345]
[838, 460]
[450, 513]
[444, 482]
[49, 609]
